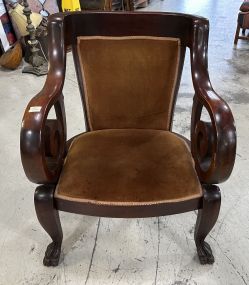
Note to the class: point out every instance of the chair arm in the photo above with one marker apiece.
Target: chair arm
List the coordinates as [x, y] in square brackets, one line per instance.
[213, 144]
[43, 140]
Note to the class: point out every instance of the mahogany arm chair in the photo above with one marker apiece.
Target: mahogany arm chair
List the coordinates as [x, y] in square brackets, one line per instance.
[128, 163]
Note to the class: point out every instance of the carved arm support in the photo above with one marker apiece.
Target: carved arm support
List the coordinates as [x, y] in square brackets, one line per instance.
[43, 141]
[213, 144]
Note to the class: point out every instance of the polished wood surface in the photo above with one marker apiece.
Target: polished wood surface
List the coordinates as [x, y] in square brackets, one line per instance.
[206, 219]
[237, 35]
[219, 137]
[48, 217]
[213, 143]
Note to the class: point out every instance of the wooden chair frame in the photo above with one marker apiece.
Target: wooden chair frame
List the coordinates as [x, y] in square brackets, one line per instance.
[237, 35]
[242, 23]
[44, 145]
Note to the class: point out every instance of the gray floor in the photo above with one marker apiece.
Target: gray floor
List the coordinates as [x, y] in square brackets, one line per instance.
[139, 251]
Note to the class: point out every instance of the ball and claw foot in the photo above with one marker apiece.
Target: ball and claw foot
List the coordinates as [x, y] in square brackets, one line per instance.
[205, 253]
[52, 254]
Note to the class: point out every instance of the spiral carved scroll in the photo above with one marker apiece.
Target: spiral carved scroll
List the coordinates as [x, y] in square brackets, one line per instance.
[203, 138]
[54, 141]
[43, 141]
[213, 143]
[203, 143]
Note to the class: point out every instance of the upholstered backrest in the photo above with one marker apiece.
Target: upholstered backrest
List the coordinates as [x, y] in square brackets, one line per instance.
[129, 82]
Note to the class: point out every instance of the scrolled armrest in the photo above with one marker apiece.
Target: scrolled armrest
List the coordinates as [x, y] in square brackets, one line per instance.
[213, 144]
[42, 140]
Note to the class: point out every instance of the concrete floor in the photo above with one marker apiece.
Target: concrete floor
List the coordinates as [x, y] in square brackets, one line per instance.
[137, 251]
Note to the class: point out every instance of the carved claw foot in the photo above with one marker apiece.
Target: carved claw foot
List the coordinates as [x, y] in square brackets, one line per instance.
[52, 254]
[205, 253]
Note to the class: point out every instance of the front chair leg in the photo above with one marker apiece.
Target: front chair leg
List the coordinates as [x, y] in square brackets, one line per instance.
[236, 37]
[49, 218]
[206, 219]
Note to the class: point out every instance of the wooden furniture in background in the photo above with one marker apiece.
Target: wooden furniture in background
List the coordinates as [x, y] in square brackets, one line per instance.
[12, 58]
[129, 163]
[242, 22]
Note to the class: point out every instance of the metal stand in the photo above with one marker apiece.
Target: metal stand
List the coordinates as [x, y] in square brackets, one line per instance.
[39, 65]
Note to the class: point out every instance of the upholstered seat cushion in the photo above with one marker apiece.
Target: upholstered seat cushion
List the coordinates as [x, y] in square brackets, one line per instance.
[128, 166]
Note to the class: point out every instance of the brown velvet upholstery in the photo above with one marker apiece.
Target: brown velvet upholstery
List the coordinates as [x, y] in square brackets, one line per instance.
[129, 82]
[128, 166]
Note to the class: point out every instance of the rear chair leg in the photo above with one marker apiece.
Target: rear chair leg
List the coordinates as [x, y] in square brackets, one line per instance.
[206, 219]
[48, 217]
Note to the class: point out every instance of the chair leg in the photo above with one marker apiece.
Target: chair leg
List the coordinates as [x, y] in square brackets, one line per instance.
[237, 34]
[49, 218]
[206, 219]
[129, 5]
